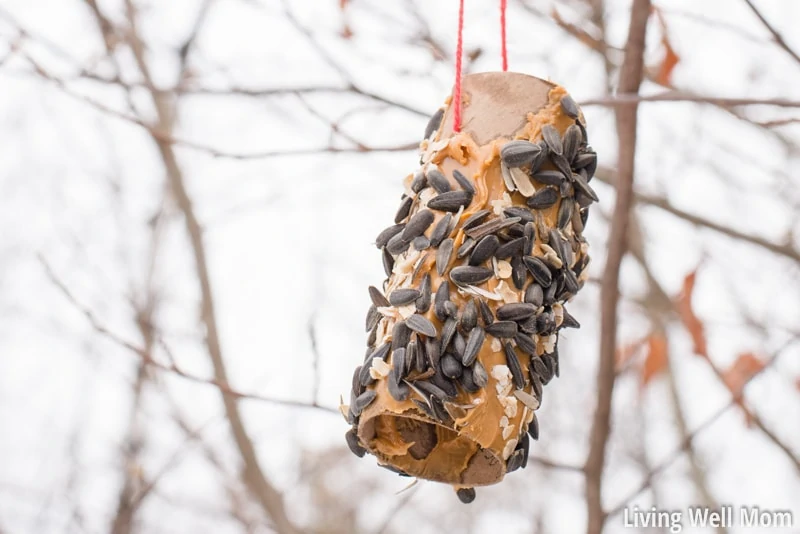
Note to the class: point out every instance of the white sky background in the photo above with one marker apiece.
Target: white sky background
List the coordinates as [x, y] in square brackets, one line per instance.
[289, 239]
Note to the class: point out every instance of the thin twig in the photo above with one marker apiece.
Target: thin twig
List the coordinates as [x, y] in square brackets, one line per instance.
[630, 80]
[775, 35]
[624, 99]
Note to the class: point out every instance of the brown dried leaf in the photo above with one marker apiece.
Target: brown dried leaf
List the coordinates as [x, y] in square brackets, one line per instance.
[671, 58]
[740, 373]
[657, 354]
[689, 319]
[626, 352]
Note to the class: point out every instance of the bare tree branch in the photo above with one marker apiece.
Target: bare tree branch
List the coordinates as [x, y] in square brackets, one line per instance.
[775, 35]
[623, 99]
[630, 80]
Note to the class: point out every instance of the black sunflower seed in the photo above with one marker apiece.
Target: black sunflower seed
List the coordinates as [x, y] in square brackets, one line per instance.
[443, 255]
[357, 388]
[533, 428]
[403, 296]
[450, 201]
[377, 297]
[569, 107]
[362, 401]
[372, 318]
[421, 242]
[540, 158]
[451, 309]
[515, 311]
[529, 326]
[423, 302]
[434, 122]
[534, 295]
[516, 230]
[572, 140]
[569, 321]
[388, 261]
[438, 180]
[518, 153]
[538, 270]
[352, 443]
[486, 313]
[525, 343]
[536, 386]
[561, 164]
[398, 364]
[429, 388]
[424, 407]
[469, 275]
[443, 383]
[577, 223]
[387, 234]
[510, 248]
[502, 329]
[397, 245]
[550, 365]
[451, 367]
[463, 182]
[484, 249]
[465, 248]
[459, 345]
[469, 316]
[420, 356]
[398, 389]
[518, 274]
[468, 381]
[442, 297]
[553, 139]
[475, 219]
[440, 231]
[583, 185]
[411, 356]
[448, 331]
[418, 223]
[570, 282]
[554, 356]
[524, 214]
[586, 160]
[474, 343]
[437, 407]
[421, 324]
[491, 227]
[401, 335]
[530, 238]
[539, 367]
[547, 178]
[402, 211]
[550, 294]
[419, 182]
[372, 337]
[513, 365]
[515, 461]
[466, 495]
[564, 213]
[524, 445]
[546, 322]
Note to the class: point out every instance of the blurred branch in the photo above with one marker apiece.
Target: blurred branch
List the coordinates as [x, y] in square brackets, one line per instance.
[625, 99]
[630, 80]
[775, 35]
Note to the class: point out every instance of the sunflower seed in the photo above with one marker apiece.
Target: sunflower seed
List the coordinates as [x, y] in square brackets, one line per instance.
[510, 248]
[491, 227]
[377, 297]
[451, 367]
[527, 399]
[465, 247]
[518, 274]
[469, 316]
[372, 337]
[567, 190]
[397, 245]
[536, 386]
[401, 297]
[514, 365]
[402, 211]
[550, 294]
[443, 383]
[502, 329]
[439, 412]
[475, 219]
[463, 182]
[387, 234]
[530, 238]
[423, 302]
[448, 330]
[398, 389]
[438, 180]
[442, 296]
[419, 182]
[484, 249]
[569, 321]
[468, 381]
[421, 243]
[569, 107]
[388, 261]
[516, 230]
[546, 322]
[515, 461]
[533, 428]
[586, 160]
[459, 344]
[424, 407]
[583, 185]
[525, 343]
[564, 213]
[352, 442]
[570, 282]
[450, 309]
[538, 270]
[552, 138]
[561, 164]
[554, 356]
[410, 354]
[450, 201]
[398, 364]
[401, 335]
[505, 172]
[548, 178]
[515, 311]
[362, 401]
[572, 140]
[434, 122]
[525, 447]
[420, 356]
[486, 313]
[468, 275]
[577, 222]
[540, 158]
[421, 324]
[550, 365]
[357, 388]
[529, 326]
[430, 388]
[474, 343]
[522, 182]
[534, 295]
[372, 318]
[466, 495]
[518, 211]
[440, 230]
[443, 255]
[539, 368]
[418, 223]
[518, 153]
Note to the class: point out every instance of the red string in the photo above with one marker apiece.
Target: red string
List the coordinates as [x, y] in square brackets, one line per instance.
[503, 49]
[457, 88]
